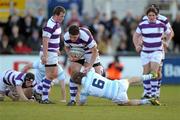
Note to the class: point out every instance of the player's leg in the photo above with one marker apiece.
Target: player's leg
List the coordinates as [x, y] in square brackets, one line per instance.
[159, 81]
[146, 83]
[75, 67]
[156, 60]
[154, 82]
[51, 74]
[146, 69]
[61, 79]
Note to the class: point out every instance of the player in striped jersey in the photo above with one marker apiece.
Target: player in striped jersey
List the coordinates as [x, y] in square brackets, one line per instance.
[147, 40]
[81, 37]
[50, 50]
[17, 80]
[40, 74]
[164, 20]
[94, 84]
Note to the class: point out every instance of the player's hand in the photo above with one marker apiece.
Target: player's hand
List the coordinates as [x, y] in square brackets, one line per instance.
[44, 59]
[59, 53]
[87, 69]
[138, 49]
[73, 58]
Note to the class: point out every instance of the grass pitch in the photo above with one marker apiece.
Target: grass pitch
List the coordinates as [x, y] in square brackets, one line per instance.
[96, 108]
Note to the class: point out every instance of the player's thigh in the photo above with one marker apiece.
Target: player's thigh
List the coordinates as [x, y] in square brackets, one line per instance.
[155, 66]
[52, 72]
[146, 68]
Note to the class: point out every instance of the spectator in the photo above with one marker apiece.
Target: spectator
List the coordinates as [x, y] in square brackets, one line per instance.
[114, 70]
[21, 48]
[34, 41]
[176, 28]
[5, 47]
[15, 36]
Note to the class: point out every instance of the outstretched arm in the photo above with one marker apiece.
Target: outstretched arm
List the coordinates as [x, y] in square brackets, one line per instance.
[21, 93]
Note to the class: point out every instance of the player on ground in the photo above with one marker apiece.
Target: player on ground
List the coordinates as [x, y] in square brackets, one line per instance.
[17, 81]
[40, 75]
[147, 41]
[50, 50]
[81, 38]
[94, 84]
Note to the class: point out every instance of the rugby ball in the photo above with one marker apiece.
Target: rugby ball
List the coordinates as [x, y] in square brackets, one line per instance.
[77, 52]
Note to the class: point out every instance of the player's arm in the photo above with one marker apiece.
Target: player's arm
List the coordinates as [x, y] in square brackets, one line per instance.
[45, 49]
[83, 99]
[95, 53]
[137, 41]
[168, 34]
[21, 93]
[27, 67]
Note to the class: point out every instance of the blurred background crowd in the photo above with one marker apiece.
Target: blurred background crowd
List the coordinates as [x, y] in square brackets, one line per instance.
[21, 33]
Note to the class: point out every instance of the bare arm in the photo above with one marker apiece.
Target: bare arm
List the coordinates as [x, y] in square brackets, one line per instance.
[137, 41]
[27, 67]
[45, 50]
[21, 93]
[94, 55]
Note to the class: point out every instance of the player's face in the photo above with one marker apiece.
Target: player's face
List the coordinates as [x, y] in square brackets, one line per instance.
[60, 17]
[152, 17]
[29, 82]
[74, 37]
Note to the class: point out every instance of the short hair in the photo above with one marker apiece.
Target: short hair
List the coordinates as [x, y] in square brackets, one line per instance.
[155, 6]
[77, 77]
[73, 30]
[28, 77]
[151, 9]
[58, 9]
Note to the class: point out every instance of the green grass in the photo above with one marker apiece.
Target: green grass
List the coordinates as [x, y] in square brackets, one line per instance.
[96, 108]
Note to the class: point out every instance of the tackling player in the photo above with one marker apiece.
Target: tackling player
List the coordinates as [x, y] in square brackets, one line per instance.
[94, 84]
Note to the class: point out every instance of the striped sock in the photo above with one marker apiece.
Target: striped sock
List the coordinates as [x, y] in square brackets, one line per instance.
[39, 88]
[158, 88]
[154, 86]
[73, 90]
[46, 88]
[147, 87]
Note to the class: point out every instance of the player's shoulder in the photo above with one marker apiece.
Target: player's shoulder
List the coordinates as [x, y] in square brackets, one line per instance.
[50, 23]
[162, 17]
[66, 36]
[84, 33]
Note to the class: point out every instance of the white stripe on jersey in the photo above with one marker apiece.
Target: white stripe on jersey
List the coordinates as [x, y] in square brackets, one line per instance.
[12, 77]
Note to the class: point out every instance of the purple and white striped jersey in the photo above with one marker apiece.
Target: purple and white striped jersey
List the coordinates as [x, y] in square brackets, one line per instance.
[161, 18]
[52, 30]
[85, 40]
[13, 78]
[152, 33]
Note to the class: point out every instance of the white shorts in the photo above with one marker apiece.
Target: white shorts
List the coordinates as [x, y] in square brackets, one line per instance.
[87, 58]
[52, 58]
[40, 73]
[156, 56]
[122, 96]
[3, 86]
